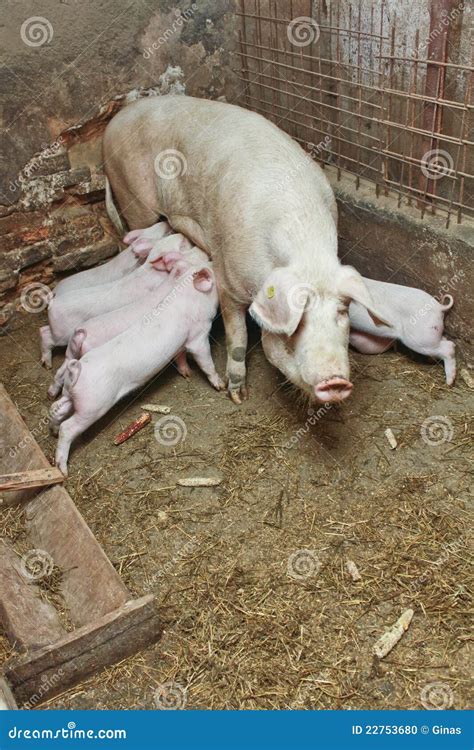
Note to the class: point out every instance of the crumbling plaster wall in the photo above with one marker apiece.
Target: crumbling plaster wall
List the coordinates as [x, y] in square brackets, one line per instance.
[66, 68]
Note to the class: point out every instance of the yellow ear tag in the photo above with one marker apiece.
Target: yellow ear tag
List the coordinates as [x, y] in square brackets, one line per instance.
[270, 292]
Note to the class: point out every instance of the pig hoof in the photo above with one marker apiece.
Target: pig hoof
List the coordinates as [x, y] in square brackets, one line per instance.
[235, 397]
[53, 392]
[238, 395]
[218, 383]
[62, 468]
[47, 363]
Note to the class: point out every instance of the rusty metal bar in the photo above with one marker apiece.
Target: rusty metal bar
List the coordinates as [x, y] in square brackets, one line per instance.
[434, 84]
[383, 105]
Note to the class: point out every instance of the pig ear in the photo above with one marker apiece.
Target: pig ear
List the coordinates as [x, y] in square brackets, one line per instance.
[202, 280]
[279, 305]
[351, 285]
[132, 236]
[167, 261]
[141, 248]
[185, 244]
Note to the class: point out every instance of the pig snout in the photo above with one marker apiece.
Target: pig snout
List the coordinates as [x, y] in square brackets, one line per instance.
[333, 390]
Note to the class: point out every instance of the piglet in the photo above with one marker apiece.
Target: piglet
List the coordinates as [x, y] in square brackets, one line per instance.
[100, 329]
[416, 320]
[122, 264]
[104, 375]
[66, 313]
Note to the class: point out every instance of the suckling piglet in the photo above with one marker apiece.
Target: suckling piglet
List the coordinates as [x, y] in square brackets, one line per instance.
[416, 320]
[120, 265]
[104, 375]
[100, 329]
[68, 312]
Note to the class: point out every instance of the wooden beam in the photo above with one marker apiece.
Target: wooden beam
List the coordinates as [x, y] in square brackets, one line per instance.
[49, 671]
[20, 451]
[23, 480]
[7, 699]
[29, 621]
[90, 585]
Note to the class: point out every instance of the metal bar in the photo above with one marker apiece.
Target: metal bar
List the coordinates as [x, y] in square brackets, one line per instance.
[398, 92]
[434, 83]
[379, 101]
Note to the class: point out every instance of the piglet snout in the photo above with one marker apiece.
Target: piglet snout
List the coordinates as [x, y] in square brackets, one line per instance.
[333, 390]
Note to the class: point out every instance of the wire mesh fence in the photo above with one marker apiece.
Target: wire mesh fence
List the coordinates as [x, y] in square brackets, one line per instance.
[381, 90]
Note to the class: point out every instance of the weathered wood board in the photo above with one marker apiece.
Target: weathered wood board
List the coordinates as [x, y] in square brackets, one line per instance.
[109, 623]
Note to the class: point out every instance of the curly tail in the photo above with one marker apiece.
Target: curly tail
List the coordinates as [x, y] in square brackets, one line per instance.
[447, 301]
[72, 373]
[74, 347]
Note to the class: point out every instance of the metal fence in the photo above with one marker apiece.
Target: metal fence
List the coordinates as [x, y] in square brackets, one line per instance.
[381, 90]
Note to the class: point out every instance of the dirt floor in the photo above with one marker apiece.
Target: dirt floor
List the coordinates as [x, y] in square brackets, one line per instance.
[258, 608]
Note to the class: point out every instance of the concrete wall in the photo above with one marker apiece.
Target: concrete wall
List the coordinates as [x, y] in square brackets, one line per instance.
[66, 68]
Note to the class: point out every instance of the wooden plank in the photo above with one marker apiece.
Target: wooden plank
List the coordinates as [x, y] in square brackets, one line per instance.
[29, 621]
[7, 699]
[22, 480]
[90, 585]
[115, 636]
[20, 451]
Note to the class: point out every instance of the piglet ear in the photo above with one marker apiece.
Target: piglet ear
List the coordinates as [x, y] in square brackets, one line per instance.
[280, 303]
[351, 285]
[167, 261]
[185, 244]
[132, 236]
[202, 280]
[141, 248]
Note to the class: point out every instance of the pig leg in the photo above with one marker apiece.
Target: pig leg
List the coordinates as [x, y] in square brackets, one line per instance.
[190, 229]
[60, 410]
[367, 343]
[74, 351]
[69, 431]
[47, 345]
[201, 351]
[233, 314]
[445, 351]
[182, 365]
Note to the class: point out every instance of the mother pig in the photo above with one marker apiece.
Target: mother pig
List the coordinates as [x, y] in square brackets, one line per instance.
[246, 193]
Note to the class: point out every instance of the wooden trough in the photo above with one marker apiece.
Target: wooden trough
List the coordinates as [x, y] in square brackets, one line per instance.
[109, 624]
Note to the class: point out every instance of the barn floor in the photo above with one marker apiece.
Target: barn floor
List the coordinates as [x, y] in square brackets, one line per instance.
[249, 623]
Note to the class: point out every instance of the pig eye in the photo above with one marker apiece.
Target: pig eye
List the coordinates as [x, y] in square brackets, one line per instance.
[342, 313]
